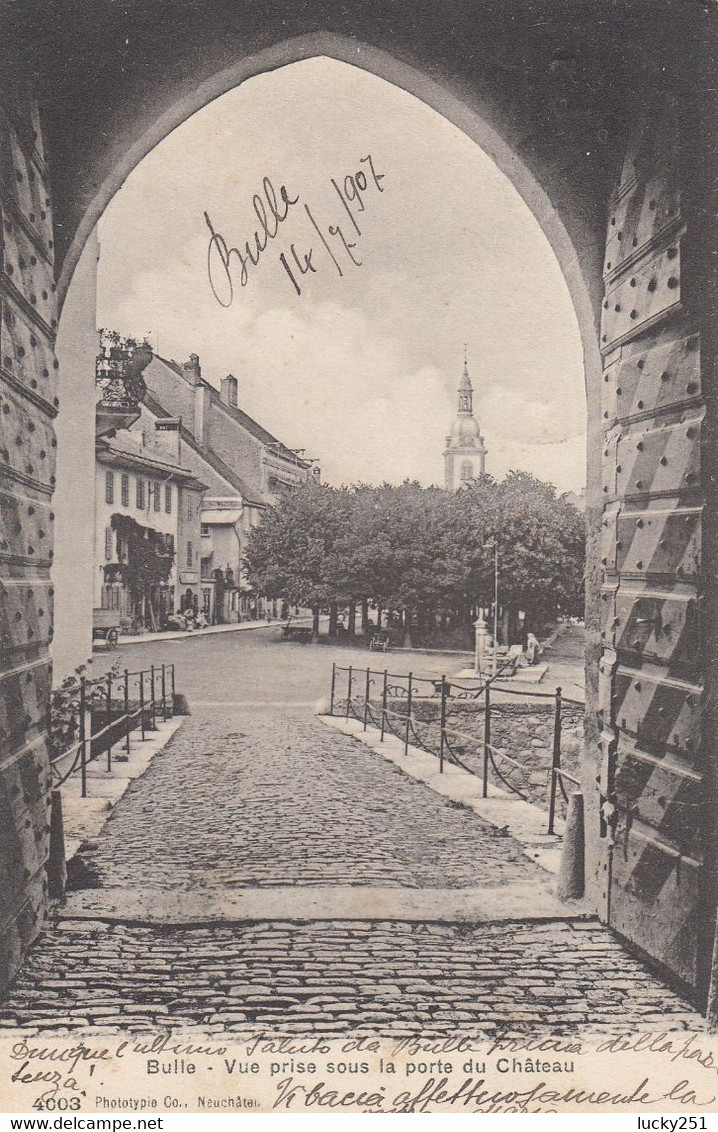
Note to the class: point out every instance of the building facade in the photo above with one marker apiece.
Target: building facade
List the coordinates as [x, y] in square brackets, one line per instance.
[147, 533]
[216, 423]
[245, 467]
[465, 453]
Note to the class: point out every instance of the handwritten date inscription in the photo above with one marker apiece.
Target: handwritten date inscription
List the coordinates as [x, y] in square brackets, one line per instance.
[227, 266]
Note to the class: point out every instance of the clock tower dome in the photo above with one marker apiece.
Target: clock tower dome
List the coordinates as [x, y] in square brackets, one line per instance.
[465, 454]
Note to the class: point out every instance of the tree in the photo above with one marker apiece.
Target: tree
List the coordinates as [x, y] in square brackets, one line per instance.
[422, 552]
[541, 545]
[288, 555]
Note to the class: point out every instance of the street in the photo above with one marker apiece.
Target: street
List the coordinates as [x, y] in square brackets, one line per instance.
[254, 792]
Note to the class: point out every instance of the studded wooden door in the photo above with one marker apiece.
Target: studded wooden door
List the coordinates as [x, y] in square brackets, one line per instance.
[650, 673]
[28, 404]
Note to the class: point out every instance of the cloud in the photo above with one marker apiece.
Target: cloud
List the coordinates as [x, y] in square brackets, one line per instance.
[362, 369]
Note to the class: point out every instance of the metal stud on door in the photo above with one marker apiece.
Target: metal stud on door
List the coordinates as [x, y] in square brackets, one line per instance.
[652, 788]
[28, 404]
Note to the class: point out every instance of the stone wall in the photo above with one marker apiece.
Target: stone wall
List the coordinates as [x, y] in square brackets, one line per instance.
[521, 736]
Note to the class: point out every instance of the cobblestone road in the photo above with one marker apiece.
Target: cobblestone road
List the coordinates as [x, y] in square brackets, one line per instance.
[336, 976]
[272, 797]
[266, 796]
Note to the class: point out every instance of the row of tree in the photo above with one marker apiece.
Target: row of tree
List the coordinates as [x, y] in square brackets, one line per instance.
[423, 553]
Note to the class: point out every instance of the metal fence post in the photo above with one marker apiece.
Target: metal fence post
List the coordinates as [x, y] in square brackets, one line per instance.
[366, 695]
[109, 723]
[172, 673]
[142, 703]
[334, 683]
[487, 739]
[555, 761]
[408, 715]
[349, 692]
[83, 739]
[127, 711]
[152, 697]
[442, 739]
[164, 694]
[383, 707]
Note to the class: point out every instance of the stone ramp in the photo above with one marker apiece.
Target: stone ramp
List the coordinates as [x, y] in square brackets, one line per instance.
[245, 798]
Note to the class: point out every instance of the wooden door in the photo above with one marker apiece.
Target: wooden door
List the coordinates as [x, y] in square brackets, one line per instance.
[653, 794]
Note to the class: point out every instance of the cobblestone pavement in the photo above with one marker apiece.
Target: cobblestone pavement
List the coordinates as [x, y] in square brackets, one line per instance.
[331, 977]
[260, 795]
[272, 797]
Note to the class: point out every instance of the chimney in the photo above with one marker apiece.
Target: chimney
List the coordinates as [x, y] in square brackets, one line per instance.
[229, 390]
[200, 421]
[167, 437]
[200, 415]
[192, 370]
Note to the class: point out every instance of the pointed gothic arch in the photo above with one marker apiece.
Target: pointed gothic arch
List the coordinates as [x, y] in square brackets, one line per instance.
[631, 229]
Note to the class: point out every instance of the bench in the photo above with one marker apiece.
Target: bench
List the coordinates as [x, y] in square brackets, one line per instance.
[297, 633]
[379, 641]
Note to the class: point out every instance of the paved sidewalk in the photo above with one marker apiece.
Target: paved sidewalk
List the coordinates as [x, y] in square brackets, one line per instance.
[210, 630]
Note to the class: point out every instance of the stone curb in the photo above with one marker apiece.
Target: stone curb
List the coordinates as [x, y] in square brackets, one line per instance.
[186, 907]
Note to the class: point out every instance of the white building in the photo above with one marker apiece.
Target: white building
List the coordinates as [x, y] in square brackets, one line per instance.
[245, 468]
[465, 454]
[147, 529]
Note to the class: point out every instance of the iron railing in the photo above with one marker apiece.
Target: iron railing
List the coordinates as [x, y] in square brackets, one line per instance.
[128, 701]
[419, 714]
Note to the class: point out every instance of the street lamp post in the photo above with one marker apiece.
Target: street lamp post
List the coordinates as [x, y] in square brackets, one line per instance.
[495, 547]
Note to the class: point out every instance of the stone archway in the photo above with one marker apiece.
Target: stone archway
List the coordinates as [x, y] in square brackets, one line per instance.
[575, 201]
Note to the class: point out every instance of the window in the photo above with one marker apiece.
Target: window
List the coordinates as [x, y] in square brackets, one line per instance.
[205, 530]
[125, 490]
[156, 502]
[190, 556]
[114, 597]
[168, 498]
[140, 497]
[108, 543]
[109, 487]
[190, 512]
[467, 470]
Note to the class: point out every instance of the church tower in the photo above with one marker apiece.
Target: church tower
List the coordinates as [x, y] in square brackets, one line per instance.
[465, 455]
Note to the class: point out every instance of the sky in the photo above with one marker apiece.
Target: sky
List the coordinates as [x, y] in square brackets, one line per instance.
[357, 359]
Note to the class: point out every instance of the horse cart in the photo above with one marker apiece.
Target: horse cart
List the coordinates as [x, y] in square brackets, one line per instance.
[106, 626]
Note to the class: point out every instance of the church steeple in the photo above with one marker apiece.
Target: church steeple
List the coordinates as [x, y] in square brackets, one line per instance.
[465, 455]
[466, 392]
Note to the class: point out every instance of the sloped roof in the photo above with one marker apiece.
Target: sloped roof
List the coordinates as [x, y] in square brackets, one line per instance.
[248, 423]
[249, 494]
[221, 516]
[115, 451]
